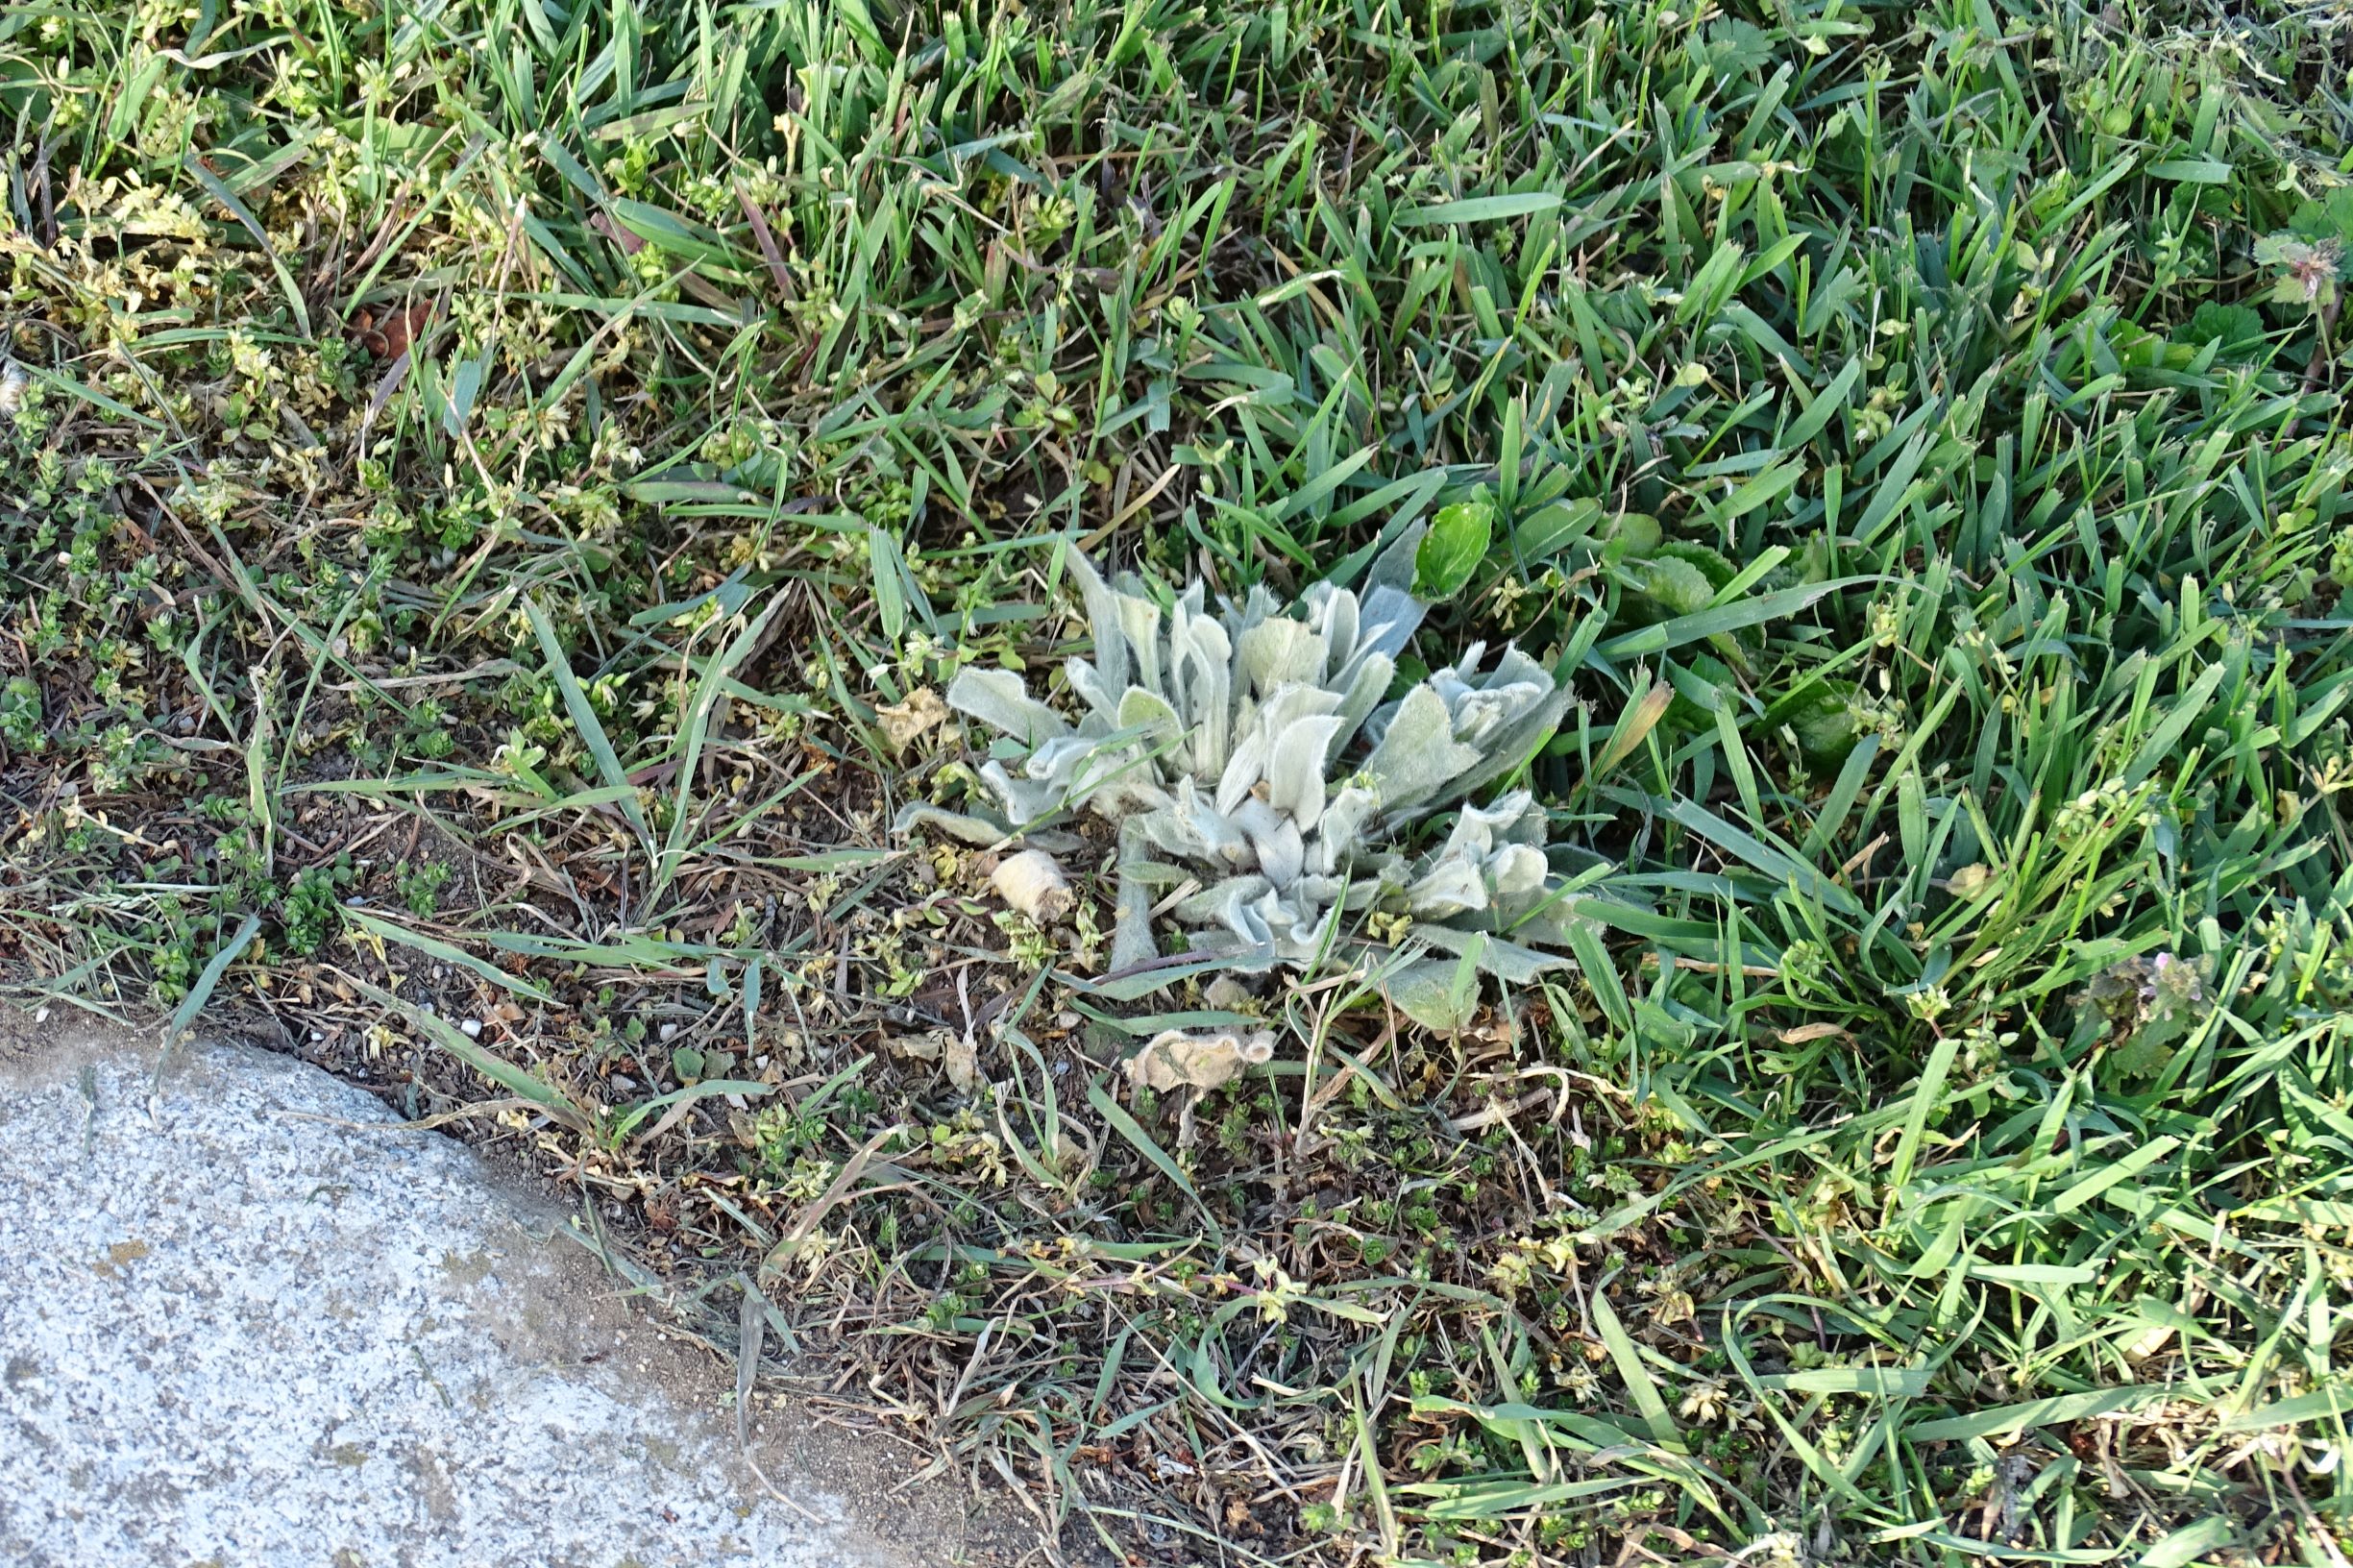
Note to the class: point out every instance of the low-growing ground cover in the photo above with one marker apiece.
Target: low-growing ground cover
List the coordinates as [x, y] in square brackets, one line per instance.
[494, 494]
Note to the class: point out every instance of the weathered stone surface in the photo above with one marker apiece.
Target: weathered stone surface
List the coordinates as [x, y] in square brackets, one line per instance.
[246, 1321]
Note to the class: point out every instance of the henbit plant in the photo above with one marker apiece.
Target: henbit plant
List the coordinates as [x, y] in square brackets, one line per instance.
[1256, 768]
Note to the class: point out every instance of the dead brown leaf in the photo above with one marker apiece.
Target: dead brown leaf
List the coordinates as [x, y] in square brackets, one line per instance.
[903, 723]
[1032, 882]
[1173, 1059]
[958, 1057]
[387, 330]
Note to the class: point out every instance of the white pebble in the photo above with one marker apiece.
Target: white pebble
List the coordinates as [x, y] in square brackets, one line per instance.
[471, 1028]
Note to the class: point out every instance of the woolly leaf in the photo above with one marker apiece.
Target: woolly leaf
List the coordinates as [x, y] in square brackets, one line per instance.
[998, 698]
[1295, 769]
[1437, 993]
[1149, 712]
[1103, 617]
[1510, 749]
[969, 827]
[1418, 752]
[1274, 653]
[1506, 961]
[1250, 755]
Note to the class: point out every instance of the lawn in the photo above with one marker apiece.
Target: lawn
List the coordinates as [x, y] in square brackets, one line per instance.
[504, 509]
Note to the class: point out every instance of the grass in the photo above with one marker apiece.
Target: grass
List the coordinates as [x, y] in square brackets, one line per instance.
[488, 489]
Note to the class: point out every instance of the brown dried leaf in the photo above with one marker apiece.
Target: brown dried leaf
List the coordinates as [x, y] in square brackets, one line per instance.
[1176, 1060]
[955, 1054]
[630, 241]
[961, 1060]
[386, 332]
[904, 722]
[916, 1048]
[1033, 883]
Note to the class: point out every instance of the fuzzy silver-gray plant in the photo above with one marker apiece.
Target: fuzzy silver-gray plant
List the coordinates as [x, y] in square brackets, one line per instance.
[1250, 754]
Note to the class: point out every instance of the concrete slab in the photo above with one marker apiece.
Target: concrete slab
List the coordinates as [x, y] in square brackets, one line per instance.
[245, 1321]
